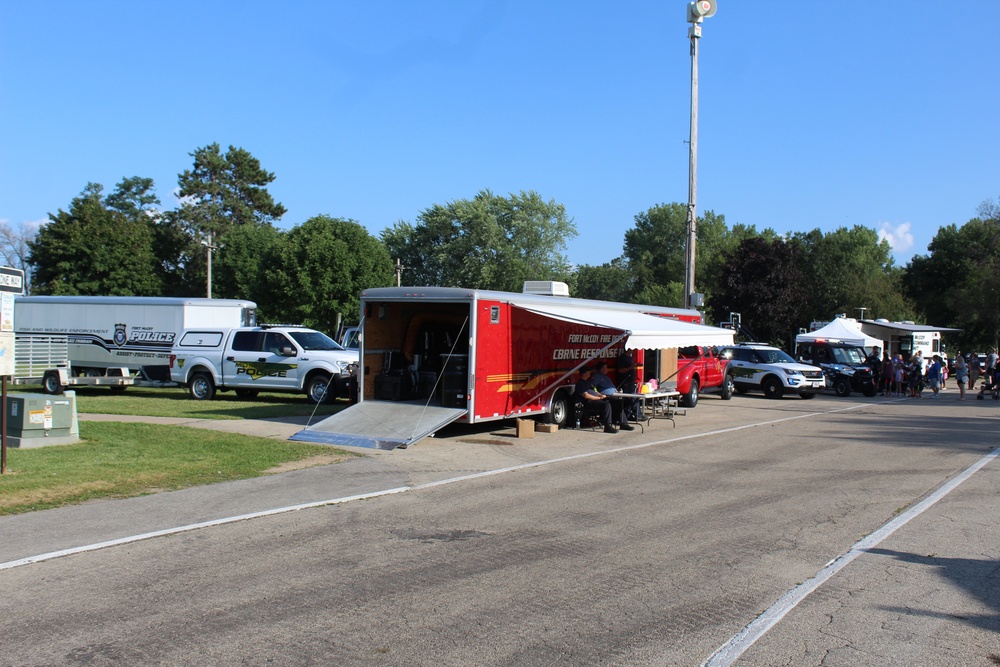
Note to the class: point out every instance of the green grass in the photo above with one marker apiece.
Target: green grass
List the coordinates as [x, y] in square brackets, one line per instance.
[175, 402]
[119, 460]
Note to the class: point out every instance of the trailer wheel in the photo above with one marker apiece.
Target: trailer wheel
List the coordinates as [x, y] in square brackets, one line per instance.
[561, 407]
[317, 387]
[200, 387]
[51, 384]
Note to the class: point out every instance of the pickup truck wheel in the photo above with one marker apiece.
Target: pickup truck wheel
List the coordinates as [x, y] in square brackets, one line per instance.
[316, 387]
[772, 387]
[691, 397]
[561, 410]
[842, 386]
[51, 384]
[727, 387]
[246, 393]
[200, 387]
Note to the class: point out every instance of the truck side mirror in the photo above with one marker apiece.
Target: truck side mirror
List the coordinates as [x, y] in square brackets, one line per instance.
[288, 351]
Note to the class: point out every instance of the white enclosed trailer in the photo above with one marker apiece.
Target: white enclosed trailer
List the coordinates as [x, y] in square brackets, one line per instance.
[122, 335]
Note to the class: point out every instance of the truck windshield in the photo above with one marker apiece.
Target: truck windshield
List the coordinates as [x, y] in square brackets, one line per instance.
[848, 355]
[314, 340]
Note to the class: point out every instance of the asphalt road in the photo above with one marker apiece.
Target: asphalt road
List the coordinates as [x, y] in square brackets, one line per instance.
[700, 544]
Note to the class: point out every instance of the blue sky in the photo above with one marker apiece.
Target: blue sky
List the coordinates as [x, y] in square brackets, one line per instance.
[830, 114]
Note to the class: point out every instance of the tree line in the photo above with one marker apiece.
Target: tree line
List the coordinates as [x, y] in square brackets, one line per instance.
[124, 243]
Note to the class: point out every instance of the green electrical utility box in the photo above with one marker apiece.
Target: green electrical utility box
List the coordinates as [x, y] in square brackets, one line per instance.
[35, 420]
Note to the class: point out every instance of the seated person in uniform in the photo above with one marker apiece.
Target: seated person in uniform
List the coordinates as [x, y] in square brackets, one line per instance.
[601, 380]
[594, 402]
[605, 386]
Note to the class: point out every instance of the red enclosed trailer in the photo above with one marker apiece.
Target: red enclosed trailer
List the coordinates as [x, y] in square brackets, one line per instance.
[434, 355]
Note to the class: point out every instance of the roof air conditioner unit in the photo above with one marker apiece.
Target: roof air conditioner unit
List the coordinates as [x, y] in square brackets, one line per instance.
[545, 287]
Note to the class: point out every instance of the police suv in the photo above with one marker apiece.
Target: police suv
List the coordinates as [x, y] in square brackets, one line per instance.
[772, 371]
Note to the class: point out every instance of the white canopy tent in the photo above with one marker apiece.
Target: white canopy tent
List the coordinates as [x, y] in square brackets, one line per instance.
[842, 330]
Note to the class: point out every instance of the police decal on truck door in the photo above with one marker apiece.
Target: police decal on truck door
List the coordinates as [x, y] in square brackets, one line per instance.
[261, 354]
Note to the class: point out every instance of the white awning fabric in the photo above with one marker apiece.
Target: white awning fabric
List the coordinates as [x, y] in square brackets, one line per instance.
[642, 331]
[841, 330]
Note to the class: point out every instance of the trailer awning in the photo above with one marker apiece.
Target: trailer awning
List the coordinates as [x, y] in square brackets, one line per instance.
[642, 331]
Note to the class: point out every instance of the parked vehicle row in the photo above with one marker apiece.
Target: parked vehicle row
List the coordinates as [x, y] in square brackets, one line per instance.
[749, 367]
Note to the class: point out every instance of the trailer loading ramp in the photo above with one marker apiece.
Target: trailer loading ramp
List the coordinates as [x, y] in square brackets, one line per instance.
[380, 425]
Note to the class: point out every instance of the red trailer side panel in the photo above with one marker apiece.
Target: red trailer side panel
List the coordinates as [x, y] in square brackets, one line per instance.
[522, 357]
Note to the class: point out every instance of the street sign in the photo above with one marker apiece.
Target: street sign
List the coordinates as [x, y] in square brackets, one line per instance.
[11, 280]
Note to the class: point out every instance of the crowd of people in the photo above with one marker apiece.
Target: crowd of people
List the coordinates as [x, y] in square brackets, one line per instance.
[910, 378]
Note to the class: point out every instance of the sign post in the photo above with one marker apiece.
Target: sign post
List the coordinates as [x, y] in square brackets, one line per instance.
[11, 283]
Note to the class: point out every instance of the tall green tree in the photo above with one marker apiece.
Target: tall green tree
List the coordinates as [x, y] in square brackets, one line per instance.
[656, 253]
[612, 281]
[322, 267]
[99, 247]
[488, 242]
[958, 283]
[850, 269]
[244, 266]
[764, 281]
[221, 192]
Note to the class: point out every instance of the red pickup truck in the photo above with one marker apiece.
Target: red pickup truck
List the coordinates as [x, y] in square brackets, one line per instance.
[700, 369]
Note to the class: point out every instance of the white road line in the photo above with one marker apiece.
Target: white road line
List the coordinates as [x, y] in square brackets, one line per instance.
[729, 652]
[375, 494]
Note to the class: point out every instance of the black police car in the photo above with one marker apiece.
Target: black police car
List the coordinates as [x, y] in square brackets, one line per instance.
[845, 366]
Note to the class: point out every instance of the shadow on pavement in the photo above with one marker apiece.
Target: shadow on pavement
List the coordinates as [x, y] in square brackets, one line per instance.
[978, 578]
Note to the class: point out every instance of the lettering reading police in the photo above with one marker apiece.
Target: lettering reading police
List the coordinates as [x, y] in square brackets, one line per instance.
[151, 337]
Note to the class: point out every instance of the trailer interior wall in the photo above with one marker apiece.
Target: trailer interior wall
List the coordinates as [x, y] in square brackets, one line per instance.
[401, 335]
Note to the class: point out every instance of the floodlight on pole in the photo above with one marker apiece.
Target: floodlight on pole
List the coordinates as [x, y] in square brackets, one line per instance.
[696, 13]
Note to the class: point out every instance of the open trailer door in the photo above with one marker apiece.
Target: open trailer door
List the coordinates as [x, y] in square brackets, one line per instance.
[380, 425]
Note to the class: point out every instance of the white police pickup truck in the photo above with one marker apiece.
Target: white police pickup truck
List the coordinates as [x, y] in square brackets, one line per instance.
[265, 358]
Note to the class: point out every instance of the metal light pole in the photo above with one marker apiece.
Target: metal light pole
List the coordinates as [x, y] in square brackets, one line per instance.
[209, 247]
[696, 13]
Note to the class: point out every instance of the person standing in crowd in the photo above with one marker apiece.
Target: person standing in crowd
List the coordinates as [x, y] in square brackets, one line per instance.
[934, 375]
[900, 368]
[915, 381]
[628, 382]
[961, 375]
[991, 362]
[888, 375]
[974, 370]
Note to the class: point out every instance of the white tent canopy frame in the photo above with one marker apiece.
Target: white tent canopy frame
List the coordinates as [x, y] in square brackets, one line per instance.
[842, 330]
